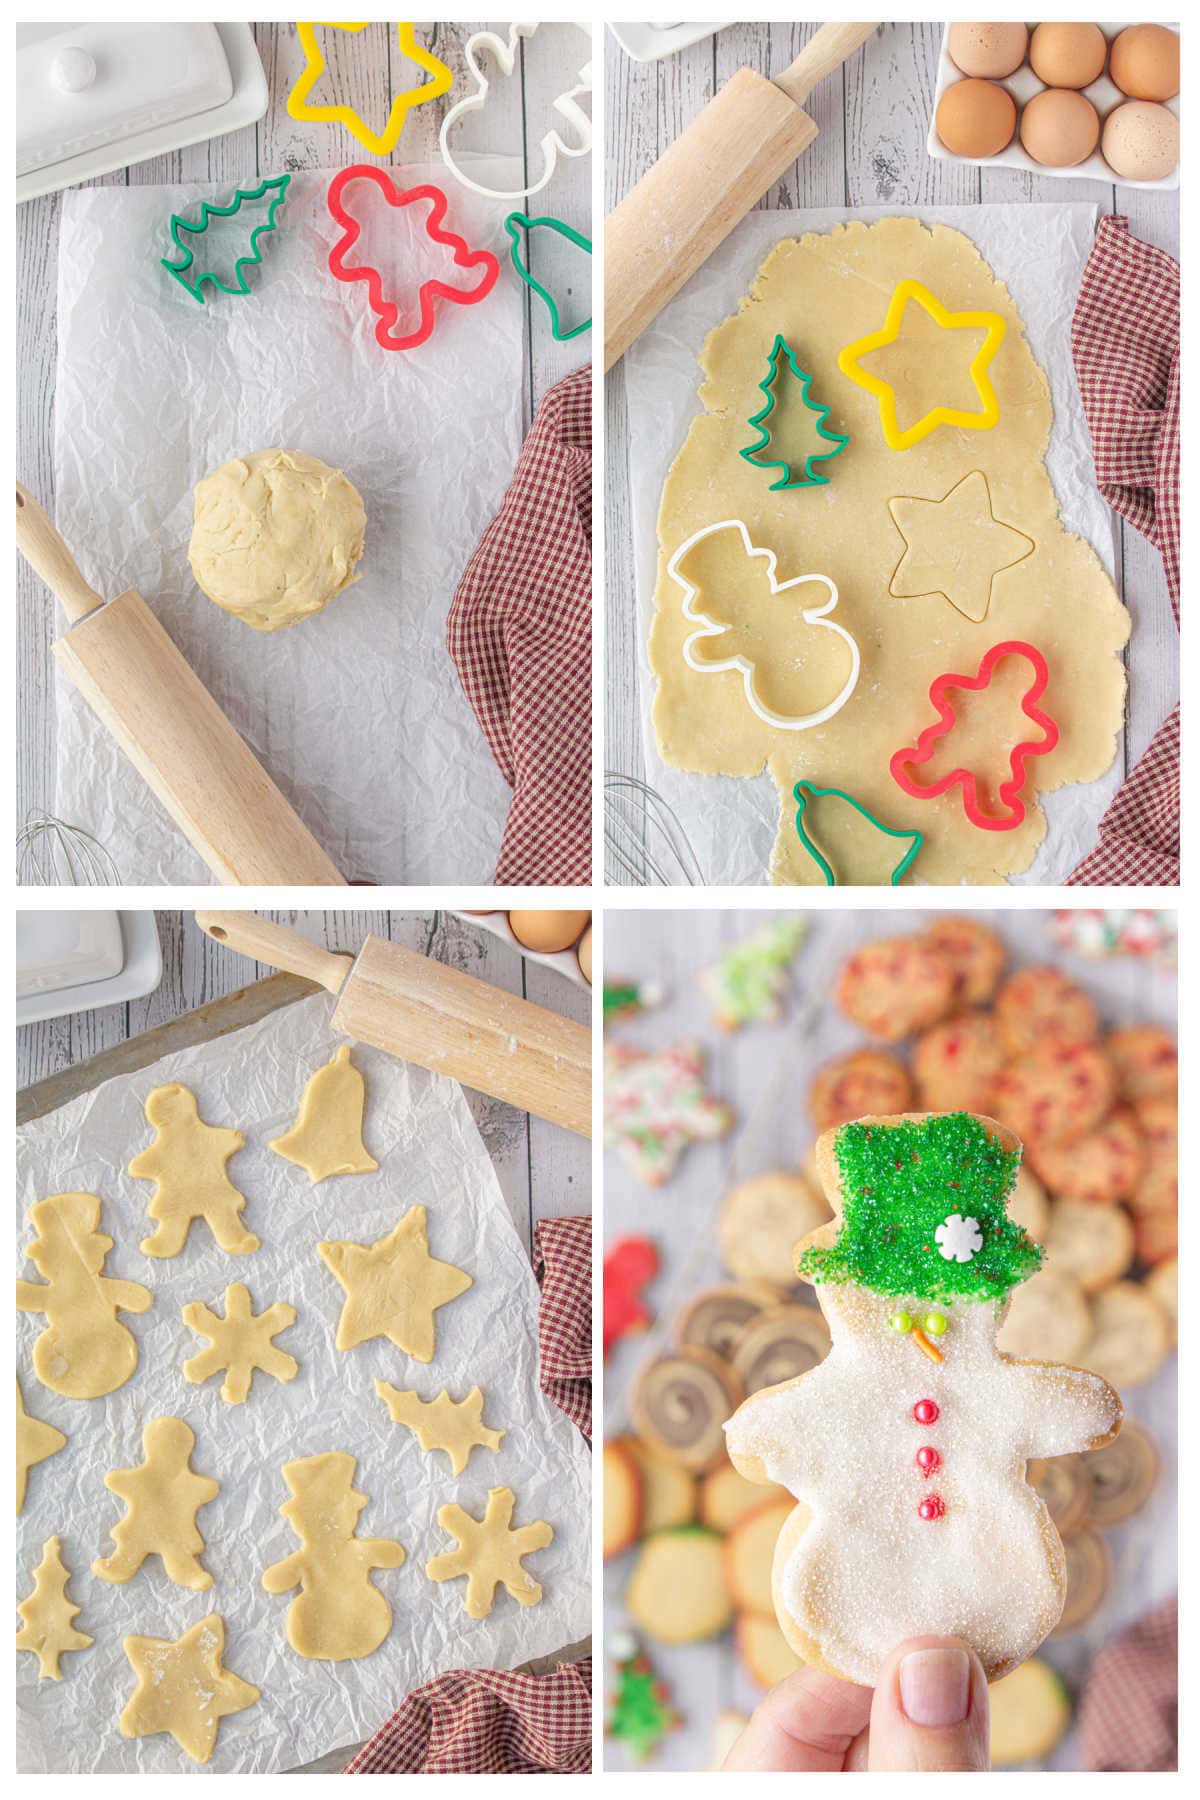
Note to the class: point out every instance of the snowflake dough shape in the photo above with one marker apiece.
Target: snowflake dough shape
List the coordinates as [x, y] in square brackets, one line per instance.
[489, 1554]
[378, 143]
[239, 1343]
[655, 1105]
[182, 1688]
[393, 1287]
[186, 1162]
[48, 1613]
[85, 1351]
[327, 1136]
[162, 1497]
[955, 547]
[455, 1426]
[35, 1442]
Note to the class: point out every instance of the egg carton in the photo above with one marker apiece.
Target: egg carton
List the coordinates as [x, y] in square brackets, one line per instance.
[565, 961]
[1023, 85]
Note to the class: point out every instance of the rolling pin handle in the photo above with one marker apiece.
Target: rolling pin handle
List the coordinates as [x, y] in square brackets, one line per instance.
[43, 548]
[824, 52]
[278, 945]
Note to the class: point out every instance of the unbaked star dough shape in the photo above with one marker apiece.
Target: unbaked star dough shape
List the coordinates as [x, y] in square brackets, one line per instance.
[48, 1614]
[183, 1688]
[489, 1554]
[455, 1426]
[84, 1351]
[162, 1497]
[955, 546]
[239, 1343]
[823, 291]
[393, 1287]
[35, 1442]
[327, 1136]
[340, 1615]
[187, 1162]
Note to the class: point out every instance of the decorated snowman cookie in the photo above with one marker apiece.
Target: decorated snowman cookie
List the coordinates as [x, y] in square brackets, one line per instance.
[906, 1448]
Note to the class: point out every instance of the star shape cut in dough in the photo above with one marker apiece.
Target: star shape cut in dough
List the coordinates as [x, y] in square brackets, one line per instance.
[455, 1426]
[955, 547]
[239, 1343]
[850, 363]
[393, 1287]
[489, 1554]
[182, 1688]
[378, 143]
[35, 1442]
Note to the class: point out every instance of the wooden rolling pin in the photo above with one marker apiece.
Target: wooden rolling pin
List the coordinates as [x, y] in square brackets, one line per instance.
[137, 683]
[423, 1012]
[748, 135]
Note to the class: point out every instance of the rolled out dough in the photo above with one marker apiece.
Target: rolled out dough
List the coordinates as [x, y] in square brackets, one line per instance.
[823, 292]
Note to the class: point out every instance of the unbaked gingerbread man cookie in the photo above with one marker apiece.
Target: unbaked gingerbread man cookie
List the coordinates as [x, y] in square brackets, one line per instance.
[162, 1497]
[187, 1162]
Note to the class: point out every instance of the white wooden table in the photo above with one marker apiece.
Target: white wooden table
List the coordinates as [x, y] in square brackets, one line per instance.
[872, 117]
[360, 73]
[763, 1072]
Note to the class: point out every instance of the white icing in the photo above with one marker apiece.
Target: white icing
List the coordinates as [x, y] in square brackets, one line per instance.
[868, 1571]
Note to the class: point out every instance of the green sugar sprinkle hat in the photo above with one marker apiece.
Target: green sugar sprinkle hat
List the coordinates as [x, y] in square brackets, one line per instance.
[925, 1212]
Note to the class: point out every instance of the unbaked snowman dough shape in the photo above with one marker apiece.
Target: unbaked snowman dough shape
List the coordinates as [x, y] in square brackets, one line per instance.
[823, 292]
[906, 1448]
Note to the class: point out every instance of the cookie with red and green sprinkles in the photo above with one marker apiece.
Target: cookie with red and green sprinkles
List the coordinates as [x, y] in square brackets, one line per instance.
[974, 951]
[866, 1081]
[1057, 1094]
[955, 1064]
[896, 987]
[1101, 1168]
[1158, 1122]
[1147, 1061]
[1040, 1006]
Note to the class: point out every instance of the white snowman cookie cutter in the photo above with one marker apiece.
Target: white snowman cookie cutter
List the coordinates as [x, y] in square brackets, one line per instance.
[566, 105]
[812, 615]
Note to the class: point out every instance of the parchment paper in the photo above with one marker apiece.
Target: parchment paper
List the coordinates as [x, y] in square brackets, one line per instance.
[419, 1128]
[356, 713]
[1039, 251]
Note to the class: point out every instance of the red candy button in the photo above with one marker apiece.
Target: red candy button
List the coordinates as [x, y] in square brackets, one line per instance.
[928, 1459]
[925, 1412]
[932, 1507]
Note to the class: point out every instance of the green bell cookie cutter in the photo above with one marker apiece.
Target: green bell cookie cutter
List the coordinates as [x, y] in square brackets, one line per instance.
[517, 222]
[811, 477]
[804, 791]
[207, 212]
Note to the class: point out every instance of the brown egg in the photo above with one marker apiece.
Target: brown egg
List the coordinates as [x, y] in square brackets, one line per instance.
[548, 931]
[975, 118]
[990, 51]
[1067, 56]
[1060, 128]
[583, 951]
[1144, 62]
[1141, 141]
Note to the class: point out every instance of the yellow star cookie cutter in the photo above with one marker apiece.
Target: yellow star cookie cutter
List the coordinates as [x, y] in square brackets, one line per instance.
[849, 359]
[384, 142]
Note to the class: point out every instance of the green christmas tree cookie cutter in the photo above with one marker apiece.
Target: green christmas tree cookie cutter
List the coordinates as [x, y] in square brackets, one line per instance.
[804, 791]
[515, 224]
[207, 213]
[810, 476]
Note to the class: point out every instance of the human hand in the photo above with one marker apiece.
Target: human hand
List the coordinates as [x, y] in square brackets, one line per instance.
[929, 1711]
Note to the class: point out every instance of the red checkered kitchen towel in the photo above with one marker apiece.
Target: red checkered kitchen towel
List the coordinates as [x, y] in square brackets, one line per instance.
[488, 1721]
[1129, 1714]
[1125, 340]
[520, 635]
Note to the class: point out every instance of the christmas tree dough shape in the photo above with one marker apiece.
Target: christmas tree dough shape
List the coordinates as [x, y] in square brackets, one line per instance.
[914, 1516]
[183, 1688]
[84, 1351]
[186, 1162]
[393, 1287]
[239, 1343]
[340, 1614]
[822, 292]
[327, 1136]
[162, 1496]
[48, 1614]
[35, 1442]
[455, 1426]
[489, 1553]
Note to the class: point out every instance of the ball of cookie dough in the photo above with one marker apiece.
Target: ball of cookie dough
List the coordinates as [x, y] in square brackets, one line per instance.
[276, 535]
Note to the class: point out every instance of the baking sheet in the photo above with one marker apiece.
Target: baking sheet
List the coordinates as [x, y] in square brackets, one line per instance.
[419, 1128]
[1039, 251]
[357, 713]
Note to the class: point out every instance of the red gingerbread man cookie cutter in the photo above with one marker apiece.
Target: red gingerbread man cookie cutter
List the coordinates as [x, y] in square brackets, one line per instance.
[1009, 792]
[429, 292]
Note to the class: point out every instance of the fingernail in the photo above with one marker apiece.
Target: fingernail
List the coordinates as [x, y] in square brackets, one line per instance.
[935, 1686]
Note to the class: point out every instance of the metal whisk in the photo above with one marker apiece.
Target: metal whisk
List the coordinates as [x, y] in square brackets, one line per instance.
[643, 837]
[51, 853]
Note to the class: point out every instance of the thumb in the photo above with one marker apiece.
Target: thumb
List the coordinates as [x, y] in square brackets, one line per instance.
[931, 1708]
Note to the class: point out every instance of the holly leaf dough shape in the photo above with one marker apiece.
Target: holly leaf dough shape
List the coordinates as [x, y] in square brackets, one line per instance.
[455, 1426]
[393, 1287]
[47, 1614]
[489, 1554]
[183, 1688]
